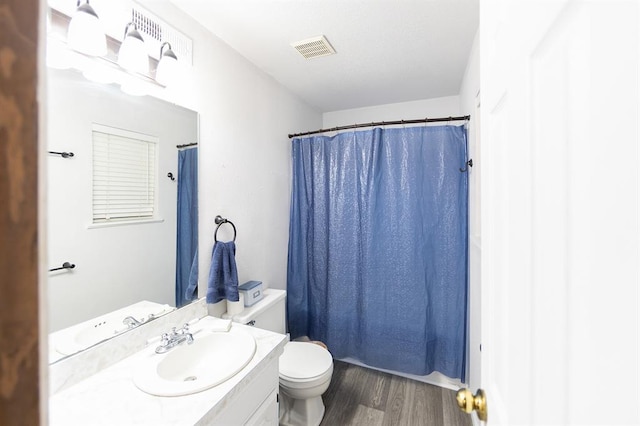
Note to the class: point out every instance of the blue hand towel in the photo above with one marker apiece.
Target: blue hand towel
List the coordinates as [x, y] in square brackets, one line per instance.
[192, 289]
[223, 275]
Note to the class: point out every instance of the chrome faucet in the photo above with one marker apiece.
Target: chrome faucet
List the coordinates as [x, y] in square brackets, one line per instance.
[176, 337]
[131, 322]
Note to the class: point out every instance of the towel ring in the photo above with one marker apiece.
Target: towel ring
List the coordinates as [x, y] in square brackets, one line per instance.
[219, 221]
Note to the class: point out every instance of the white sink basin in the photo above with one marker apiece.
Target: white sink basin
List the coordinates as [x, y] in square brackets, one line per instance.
[211, 359]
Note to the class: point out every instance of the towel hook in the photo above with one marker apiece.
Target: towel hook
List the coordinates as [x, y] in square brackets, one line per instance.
[219, 221]
[62, 154]
[65, 265]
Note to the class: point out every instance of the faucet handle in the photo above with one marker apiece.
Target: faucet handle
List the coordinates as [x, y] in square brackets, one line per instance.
[185, 328]
[165, 339]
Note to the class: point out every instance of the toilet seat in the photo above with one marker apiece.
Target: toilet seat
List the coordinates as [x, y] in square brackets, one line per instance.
[305, 364]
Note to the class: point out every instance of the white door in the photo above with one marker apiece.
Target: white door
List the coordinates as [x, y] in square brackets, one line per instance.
[560, 324]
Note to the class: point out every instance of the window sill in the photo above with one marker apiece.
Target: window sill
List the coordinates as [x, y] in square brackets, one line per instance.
[124, 223]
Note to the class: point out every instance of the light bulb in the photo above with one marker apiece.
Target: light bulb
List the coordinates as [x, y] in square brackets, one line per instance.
[133, 55]
[167, 71]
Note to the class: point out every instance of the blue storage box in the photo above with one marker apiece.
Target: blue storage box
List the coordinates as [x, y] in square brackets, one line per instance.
[252, 291]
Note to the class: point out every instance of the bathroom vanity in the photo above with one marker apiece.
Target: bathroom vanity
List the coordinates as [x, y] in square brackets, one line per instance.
[110, 396]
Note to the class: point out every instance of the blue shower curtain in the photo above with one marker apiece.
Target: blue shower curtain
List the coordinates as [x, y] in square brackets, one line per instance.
[187, 233]
[378, 247]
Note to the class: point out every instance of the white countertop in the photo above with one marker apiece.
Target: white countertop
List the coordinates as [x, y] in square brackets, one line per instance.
[111, 398]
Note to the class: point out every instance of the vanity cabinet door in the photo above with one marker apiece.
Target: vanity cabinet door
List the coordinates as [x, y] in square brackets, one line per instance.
[253, 402]
[267, 413]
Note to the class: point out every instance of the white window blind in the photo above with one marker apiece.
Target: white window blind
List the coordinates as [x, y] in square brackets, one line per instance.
[124, 175]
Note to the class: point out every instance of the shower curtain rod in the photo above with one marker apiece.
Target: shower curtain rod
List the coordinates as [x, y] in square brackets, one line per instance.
[383, 123]
[186, 145]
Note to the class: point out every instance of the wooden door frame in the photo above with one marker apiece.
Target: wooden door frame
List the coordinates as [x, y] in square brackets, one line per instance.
[20, 367]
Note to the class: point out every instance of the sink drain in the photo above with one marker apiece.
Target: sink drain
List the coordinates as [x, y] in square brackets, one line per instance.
[190, 378]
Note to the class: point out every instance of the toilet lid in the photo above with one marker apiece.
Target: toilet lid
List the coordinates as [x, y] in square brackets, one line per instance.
[302, 360]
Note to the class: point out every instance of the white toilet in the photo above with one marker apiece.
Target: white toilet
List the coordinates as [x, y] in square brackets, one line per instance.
[305, 367]
[305, 374]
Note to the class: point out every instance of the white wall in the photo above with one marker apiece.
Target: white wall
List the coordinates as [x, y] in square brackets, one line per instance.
[470, 105]
[116, 265]
[433, 108]
[245, 116]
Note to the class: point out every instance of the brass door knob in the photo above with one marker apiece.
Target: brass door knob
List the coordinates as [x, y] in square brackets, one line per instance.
[469, 402]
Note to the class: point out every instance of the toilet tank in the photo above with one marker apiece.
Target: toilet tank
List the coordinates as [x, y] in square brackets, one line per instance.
[268, 313]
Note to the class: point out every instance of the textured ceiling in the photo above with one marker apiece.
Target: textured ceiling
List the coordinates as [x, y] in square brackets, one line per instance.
[387, 51]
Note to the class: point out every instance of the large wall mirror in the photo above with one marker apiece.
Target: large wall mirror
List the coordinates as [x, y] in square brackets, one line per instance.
[118, 262]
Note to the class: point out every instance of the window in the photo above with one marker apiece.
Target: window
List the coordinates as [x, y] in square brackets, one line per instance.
[124, 175]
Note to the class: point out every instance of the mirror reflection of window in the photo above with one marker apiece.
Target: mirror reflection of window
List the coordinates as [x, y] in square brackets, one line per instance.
[124, 175]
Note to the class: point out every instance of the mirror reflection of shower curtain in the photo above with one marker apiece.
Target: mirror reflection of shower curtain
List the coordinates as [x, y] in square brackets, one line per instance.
[378, 247]
[187, 230]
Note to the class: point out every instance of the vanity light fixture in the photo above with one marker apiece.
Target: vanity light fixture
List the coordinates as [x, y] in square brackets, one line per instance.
[167, 71]
[85, 33]
[133, 55]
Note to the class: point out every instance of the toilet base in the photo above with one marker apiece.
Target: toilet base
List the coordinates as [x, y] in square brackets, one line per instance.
[300, 412]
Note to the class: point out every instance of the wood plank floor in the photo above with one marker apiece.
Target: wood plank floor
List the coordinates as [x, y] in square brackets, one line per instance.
[361, 396]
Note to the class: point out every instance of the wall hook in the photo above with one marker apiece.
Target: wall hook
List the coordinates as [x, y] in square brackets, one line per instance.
[468, 164]
[170, 176]
[65, 265]
[62, 154]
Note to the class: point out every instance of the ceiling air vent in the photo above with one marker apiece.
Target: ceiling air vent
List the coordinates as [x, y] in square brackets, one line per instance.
[314, 47]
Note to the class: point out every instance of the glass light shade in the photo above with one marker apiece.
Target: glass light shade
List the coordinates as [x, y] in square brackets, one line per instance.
[168, 68]
[133, 55]
[85, 33]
